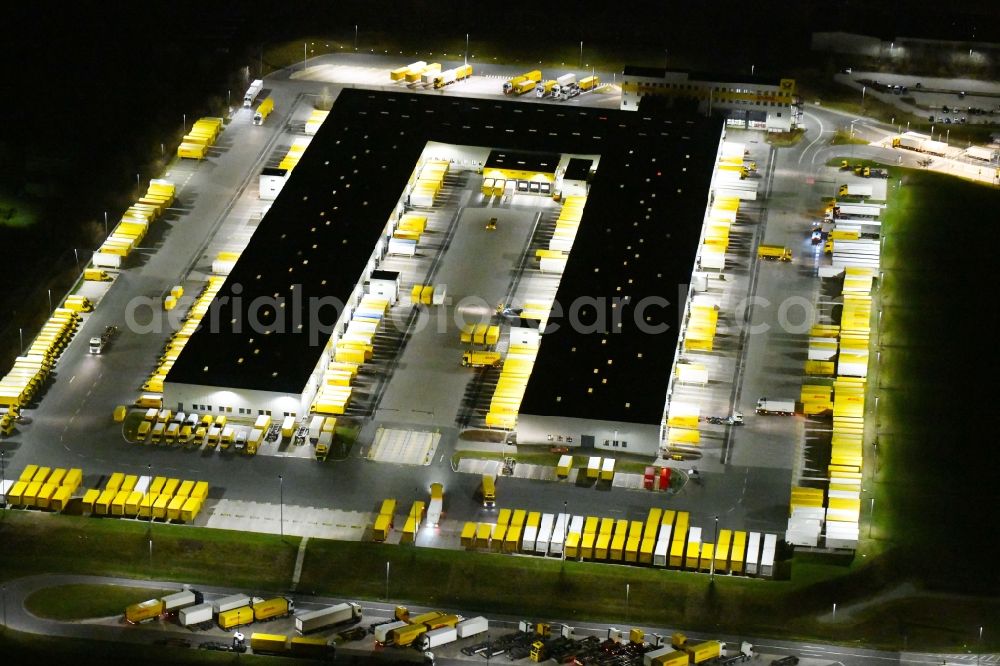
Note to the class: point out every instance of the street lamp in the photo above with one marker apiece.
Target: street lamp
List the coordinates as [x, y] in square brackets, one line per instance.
[947, 134]
[711, 575]
[355, 36]
[871, 518]
[149, 469]
[565, 527]
[626, 602]
[105, 223]
[20, 332]
[387, 580]
[466, 48]
[581, 54]
[281, 505]
[50, 300]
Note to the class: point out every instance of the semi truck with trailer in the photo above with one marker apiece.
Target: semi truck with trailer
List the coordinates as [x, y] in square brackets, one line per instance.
[544, 87]
[481, 359]
[435, 505]
[144, 611]
[854, 190]
[774, 253]
[589, 83]
[173, 603]
[564, 81]
[251, 94]
[330, 616]
[512, 85]
[263, 111]
[778, 406]
[198, 614]
[98, 343]
[265, 610]
[436, 638]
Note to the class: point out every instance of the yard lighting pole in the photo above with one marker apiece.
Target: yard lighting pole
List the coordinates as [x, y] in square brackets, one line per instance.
[947, 134]
[581, 54]
[50, 300]
[20, 332]
[184, 123]
[387, 580]
[711, 576]
[105, 224]
[76, 253]
[355, 36]
[281, 505]
[149, 469]
[626, 603]
[466, 48]
[871, 518]
[305, 57]
[978, 656]
[565, 527]
[834, 611]
[138, 191]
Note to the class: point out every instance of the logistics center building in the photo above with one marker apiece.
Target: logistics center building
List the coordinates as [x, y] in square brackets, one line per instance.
[754, 102]
[603, 366]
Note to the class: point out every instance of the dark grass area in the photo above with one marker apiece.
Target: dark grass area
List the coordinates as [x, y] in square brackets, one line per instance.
[935, 388]
[36, 543]
[79, 602]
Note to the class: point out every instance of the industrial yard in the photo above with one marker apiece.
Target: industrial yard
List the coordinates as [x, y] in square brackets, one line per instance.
[500, 324]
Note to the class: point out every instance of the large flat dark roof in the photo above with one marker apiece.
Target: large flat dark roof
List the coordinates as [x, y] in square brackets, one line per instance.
[610, 354]
[324, 225]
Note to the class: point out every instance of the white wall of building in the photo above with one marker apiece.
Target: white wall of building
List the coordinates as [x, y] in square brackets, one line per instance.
[219, 400]
[636, 438]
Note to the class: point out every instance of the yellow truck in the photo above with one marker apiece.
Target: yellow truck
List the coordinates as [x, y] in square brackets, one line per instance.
[589, 83]
[774, 253]
[520, 84]
[235, 617]
[481, 359]
[272, 609]
[489, 491]
[263, 111]
[144, 611]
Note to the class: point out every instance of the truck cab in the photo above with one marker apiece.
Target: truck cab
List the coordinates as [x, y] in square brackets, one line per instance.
[97, 344]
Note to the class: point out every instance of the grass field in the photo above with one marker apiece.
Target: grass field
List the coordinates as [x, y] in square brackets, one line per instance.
[36, 543]
[79, 602]
[15, 213]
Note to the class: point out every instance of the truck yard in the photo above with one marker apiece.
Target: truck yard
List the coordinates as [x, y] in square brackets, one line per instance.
[745, 474]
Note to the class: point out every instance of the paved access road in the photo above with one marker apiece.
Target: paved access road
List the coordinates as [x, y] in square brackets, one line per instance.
[114, 629]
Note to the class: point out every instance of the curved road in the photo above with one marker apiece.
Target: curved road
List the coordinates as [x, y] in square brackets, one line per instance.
[16, 617]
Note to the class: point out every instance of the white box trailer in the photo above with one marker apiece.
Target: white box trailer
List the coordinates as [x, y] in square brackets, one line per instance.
[382, 631]
[913, 140]
[229, 603]
[438, 637]
[858, 210]
[857, 190]
[564, 81]
[558, 535]
[315, 428]
[782, 406]
[935, 147]
[472, 626]
[753, 553]
[182, 599]
[327, 617]
[106, 260]
[544, 533]
[767, 555]
[5, 486]
[251, 94]
[197, 614]
[981, 153]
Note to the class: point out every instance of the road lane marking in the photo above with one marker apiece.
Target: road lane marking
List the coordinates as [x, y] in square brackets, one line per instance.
[71, 379]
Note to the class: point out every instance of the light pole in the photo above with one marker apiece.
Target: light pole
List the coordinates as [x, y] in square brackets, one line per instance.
[184, 123]
[863, 89]
[834, 611]
[149, 469]
[281, 505]
[387, 580]
[305, 57]
[76, 253]
[711, 575]
[565, 527]
[105, 224]
[466, 48]
[581, 54]
[978, 656]
[947, 134]
[50, 300]
[355, 36]
[627, 587]
[871, 518]
[20, 332]
[138, 190]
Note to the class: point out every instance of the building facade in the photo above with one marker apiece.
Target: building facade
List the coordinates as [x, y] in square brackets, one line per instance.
[747, 102]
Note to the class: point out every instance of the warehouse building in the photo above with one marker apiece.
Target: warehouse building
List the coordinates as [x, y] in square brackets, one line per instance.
[748, 102]
[602, 368]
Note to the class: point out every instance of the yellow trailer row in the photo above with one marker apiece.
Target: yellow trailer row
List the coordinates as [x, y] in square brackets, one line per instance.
[132, 227]
[179, 338]
[479, 334]
[352, 350]
[44, 487]
[202, 136]
[130, 495]
[413, 520]
[316, 119]
[21, 383]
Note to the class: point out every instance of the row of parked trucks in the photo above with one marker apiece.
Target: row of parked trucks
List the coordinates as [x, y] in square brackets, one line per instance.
[190, 609]
[427, 630]
[563, 88]
[421, 72]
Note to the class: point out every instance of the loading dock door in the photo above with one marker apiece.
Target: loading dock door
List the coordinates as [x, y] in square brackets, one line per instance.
[586, 441]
